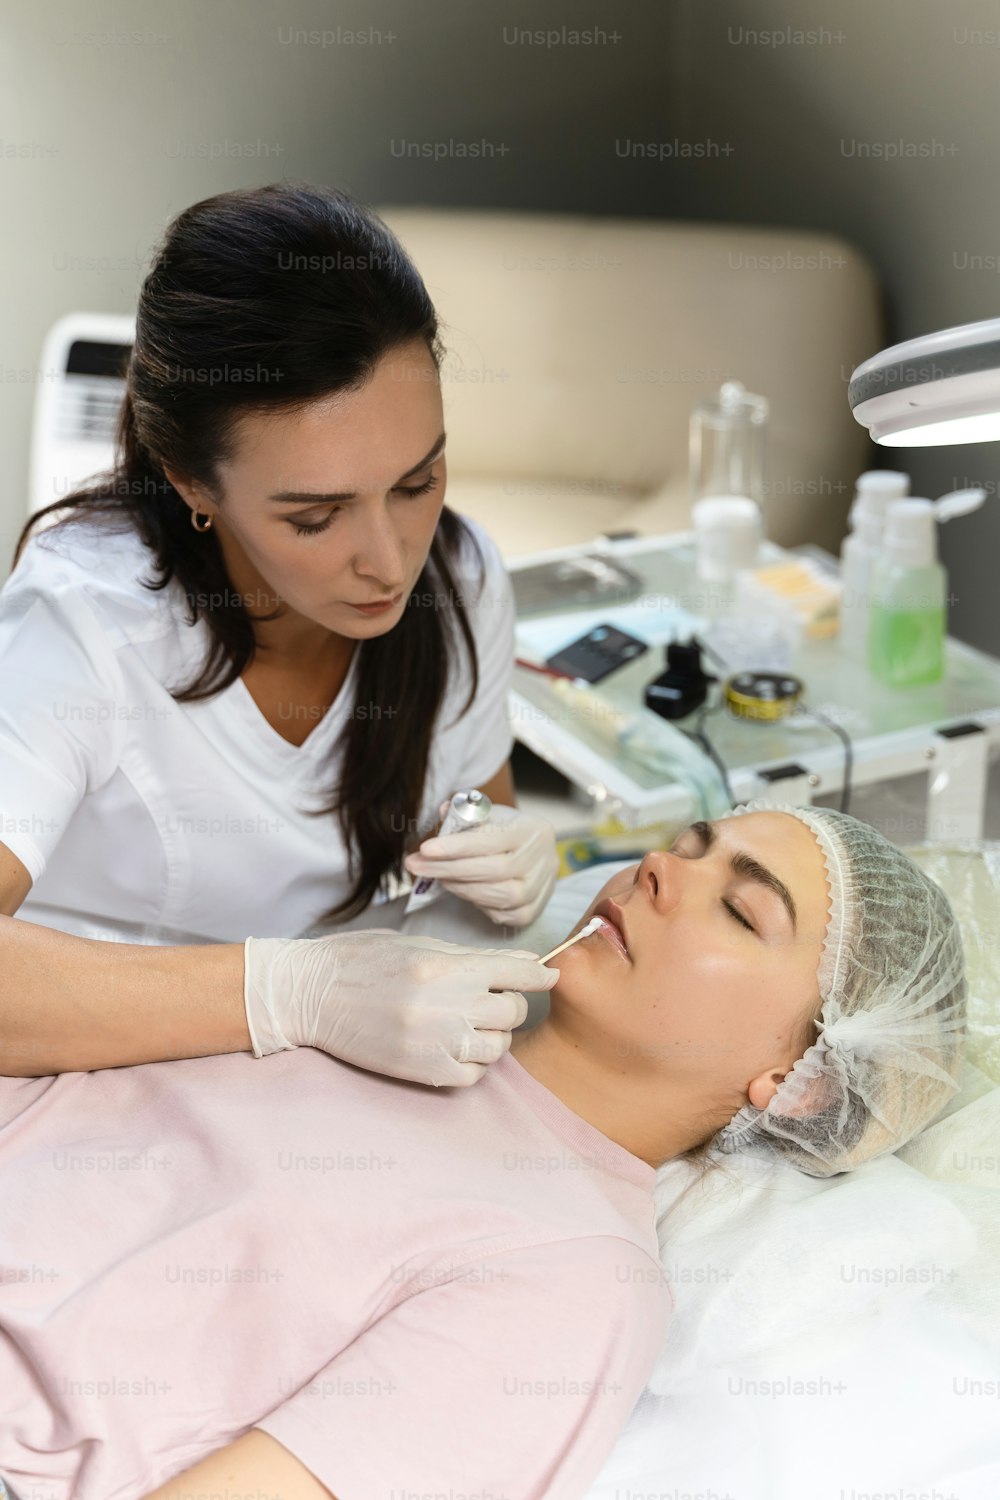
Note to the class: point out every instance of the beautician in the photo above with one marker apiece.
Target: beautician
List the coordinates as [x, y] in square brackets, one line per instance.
[240, 673]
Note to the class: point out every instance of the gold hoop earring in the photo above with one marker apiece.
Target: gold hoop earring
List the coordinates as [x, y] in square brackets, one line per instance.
[194, 521]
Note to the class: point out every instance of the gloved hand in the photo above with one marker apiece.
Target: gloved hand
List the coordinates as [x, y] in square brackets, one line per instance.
[411, 1007]
[507, 867]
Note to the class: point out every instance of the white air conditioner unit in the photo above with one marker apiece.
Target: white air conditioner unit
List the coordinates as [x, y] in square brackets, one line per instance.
[80, 389]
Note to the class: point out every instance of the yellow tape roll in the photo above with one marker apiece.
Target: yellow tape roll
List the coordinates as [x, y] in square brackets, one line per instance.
[764, 696]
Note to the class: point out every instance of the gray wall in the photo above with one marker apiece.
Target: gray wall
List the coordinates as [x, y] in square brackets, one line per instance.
[133, 109]
[129, 110]
[879, 71]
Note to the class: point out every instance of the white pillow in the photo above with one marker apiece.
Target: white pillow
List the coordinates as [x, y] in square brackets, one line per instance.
[758, 1253]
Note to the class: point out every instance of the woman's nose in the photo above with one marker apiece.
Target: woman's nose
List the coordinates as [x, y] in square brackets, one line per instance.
[379, 554]
[658, 873]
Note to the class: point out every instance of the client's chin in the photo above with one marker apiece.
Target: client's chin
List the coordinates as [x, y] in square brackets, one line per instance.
[591, 968]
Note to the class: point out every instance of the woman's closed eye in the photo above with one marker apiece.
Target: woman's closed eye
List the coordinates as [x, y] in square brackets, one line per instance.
[733, 912]
[730, 908]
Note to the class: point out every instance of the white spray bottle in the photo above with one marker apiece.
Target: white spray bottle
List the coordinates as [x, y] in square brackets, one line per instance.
[873, 491]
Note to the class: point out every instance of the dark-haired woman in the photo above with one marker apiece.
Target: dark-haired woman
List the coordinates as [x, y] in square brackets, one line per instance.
[240, 673]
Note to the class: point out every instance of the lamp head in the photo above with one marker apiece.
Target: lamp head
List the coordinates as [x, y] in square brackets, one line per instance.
[934, 390]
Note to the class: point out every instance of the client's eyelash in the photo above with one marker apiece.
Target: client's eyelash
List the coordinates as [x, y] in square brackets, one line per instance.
[742, 920]
[305, 529]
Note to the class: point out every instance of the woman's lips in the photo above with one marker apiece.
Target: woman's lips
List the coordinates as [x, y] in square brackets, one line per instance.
[380, 607]
[611, 928]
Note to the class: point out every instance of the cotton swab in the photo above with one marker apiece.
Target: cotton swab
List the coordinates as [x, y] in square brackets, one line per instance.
[591, 926]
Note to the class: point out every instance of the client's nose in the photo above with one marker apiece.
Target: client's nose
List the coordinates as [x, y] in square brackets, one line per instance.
[657, 873]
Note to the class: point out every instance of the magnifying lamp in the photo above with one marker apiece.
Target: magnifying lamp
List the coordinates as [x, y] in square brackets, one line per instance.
[937, 389]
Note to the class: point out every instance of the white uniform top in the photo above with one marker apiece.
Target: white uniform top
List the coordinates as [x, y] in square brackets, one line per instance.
[154, 821]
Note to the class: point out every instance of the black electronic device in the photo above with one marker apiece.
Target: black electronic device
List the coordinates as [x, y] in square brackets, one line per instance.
[597, 654]
[683, 687]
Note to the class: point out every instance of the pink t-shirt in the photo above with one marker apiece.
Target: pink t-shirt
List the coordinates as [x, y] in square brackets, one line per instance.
[415, 1290]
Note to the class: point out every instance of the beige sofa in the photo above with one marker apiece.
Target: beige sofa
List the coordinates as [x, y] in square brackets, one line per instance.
[578, 345]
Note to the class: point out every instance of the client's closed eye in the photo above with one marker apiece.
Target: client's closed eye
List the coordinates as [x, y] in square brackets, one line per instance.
[730, 908]
[742, 920]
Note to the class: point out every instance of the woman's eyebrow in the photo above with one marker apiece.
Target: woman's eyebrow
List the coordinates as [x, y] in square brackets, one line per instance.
[302, 497]
[742, 863]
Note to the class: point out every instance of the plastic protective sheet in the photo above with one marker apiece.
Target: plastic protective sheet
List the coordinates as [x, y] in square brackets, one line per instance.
[969, 874]
[961, 1150]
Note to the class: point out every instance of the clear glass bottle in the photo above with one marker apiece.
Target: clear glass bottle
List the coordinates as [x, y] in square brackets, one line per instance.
[727, 441]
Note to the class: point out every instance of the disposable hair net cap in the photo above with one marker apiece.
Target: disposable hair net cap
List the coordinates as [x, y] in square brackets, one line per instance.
[892, 982]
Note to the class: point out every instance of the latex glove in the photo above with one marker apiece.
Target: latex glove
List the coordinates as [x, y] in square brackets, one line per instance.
[411, 1007]
[507, 867]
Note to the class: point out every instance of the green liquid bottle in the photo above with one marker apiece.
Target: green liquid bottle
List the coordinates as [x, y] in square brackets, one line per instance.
[908, 623]
[906, 646]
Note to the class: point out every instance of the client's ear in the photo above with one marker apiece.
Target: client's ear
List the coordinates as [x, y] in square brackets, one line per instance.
[807, 1092]
[762, 1089]
[811, 1097]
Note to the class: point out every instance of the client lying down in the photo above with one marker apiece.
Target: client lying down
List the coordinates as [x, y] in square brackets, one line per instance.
[297, 1278]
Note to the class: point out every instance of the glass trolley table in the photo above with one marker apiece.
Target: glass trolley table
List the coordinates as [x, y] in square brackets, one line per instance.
[946, 729]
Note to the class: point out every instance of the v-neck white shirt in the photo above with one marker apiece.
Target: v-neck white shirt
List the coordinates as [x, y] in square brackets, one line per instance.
[162, 822]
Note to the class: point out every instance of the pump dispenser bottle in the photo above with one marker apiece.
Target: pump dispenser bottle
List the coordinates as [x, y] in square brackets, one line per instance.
[908, 622]
[873, 492]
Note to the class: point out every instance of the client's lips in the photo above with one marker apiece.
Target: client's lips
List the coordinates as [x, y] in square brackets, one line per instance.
[614, 929]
